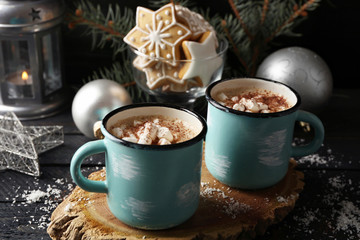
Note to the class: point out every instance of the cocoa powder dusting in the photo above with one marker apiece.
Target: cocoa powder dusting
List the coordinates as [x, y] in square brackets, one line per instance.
[135, 127]
[269, 101]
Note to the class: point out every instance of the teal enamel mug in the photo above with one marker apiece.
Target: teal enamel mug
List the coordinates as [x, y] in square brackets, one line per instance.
[251, 150]
[147, 186]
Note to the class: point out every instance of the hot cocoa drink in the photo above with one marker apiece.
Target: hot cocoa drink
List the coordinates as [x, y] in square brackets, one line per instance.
[153, 130]
[254, 100]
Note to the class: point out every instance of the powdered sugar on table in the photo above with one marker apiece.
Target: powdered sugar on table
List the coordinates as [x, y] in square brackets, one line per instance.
[45, 199]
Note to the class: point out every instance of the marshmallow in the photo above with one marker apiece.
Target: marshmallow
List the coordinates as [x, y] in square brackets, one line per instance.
[281, 108]
[235, 99]
[150, 130]
[147, 134]
[145, 139]
[263, 106]
[140, 131]
[163, 141]
[252, 106]
[137, 122]
[222, 96]
[164, 132]
[118, 132]
[132, 138]
[239, 106]
[243, 100]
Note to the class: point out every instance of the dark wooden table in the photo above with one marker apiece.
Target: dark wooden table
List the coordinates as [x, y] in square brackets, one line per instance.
[328, 207]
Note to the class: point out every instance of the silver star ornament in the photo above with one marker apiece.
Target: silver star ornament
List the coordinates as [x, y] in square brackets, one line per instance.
[20, 145]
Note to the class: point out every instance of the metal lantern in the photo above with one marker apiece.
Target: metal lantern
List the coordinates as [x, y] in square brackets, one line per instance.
[31, 72]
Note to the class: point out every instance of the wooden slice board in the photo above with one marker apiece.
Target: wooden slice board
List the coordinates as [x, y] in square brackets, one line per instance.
[223, 212]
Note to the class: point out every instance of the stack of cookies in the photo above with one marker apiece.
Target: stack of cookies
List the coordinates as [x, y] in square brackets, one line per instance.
[175, 47]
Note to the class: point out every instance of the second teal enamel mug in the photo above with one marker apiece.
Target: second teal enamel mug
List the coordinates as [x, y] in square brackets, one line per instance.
[147, 186]
[252, 150]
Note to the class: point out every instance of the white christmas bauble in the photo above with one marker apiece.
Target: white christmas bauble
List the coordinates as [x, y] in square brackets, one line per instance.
[94, 100]
[304, 71]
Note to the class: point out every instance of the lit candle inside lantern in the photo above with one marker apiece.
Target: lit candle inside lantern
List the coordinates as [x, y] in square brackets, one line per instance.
[25, 77]
[19, 85]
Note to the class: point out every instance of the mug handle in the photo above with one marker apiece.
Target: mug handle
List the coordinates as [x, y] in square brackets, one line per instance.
[84, 151]
[315, 144]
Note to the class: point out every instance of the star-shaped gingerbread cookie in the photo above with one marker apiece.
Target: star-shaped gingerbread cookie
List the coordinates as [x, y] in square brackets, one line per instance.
[204, 60]
[158, 34]
[194, 21]
[162, 74]
[141, 62]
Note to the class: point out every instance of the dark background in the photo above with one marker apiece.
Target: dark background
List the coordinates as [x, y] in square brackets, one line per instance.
[332, 31]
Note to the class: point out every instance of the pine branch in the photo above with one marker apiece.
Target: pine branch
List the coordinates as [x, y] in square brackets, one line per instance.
[241, 21]
[252, 25]
[264, 11]
[233, 44]
[159, 3]
[297, 12]
[104, 29]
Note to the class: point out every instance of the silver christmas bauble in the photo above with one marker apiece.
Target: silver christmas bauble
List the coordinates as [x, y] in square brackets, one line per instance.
[94, 100]
[304, 71]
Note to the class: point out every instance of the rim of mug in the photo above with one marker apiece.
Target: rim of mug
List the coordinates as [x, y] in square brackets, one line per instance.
[213, 102]
[197, 138]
